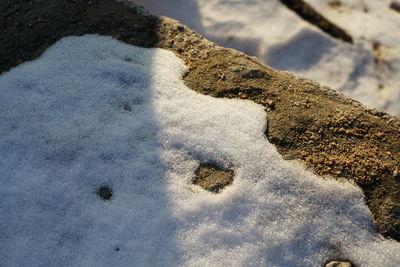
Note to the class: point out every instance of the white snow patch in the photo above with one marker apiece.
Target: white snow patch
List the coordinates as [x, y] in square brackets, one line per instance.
[93, 111]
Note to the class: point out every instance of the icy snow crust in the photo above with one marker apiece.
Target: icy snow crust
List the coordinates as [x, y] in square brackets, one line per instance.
[280, 38]
[93, 111]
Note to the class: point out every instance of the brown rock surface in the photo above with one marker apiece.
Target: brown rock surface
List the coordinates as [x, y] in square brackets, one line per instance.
[332, 134]
[212, 178]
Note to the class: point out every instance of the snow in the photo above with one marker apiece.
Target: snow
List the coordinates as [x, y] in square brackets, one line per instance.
[92, 111]
[280, 38]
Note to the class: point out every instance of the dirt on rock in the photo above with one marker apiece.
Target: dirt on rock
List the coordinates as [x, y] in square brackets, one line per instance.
[212, 178]
[327, 131]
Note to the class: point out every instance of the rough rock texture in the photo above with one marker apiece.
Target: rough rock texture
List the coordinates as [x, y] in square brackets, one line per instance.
[332, 134]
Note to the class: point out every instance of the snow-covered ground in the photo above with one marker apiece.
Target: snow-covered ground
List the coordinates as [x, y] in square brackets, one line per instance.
[368, 70]
[95, 112]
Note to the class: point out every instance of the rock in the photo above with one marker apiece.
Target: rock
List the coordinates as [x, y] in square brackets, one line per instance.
[212, 178]
[304, 118]
[304, 10]
[339, 264]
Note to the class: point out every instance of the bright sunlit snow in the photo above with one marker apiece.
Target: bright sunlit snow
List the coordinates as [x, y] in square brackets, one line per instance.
[93, 111]
[367, 71]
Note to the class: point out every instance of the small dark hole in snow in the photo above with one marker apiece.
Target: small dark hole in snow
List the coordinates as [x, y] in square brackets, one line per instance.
[116, 249]
[127, 107]
[104, 192]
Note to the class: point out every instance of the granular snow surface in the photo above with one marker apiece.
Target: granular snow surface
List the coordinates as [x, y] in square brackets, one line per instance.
[95, 112]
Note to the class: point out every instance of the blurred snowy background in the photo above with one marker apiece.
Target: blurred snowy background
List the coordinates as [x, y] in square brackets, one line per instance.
[366, 70]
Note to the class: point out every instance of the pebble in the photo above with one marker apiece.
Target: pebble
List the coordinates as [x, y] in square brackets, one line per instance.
[339, 264]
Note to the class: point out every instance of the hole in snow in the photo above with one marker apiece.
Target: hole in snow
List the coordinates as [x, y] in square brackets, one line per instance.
[127, 107]
[212, 178]
[105, 192]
